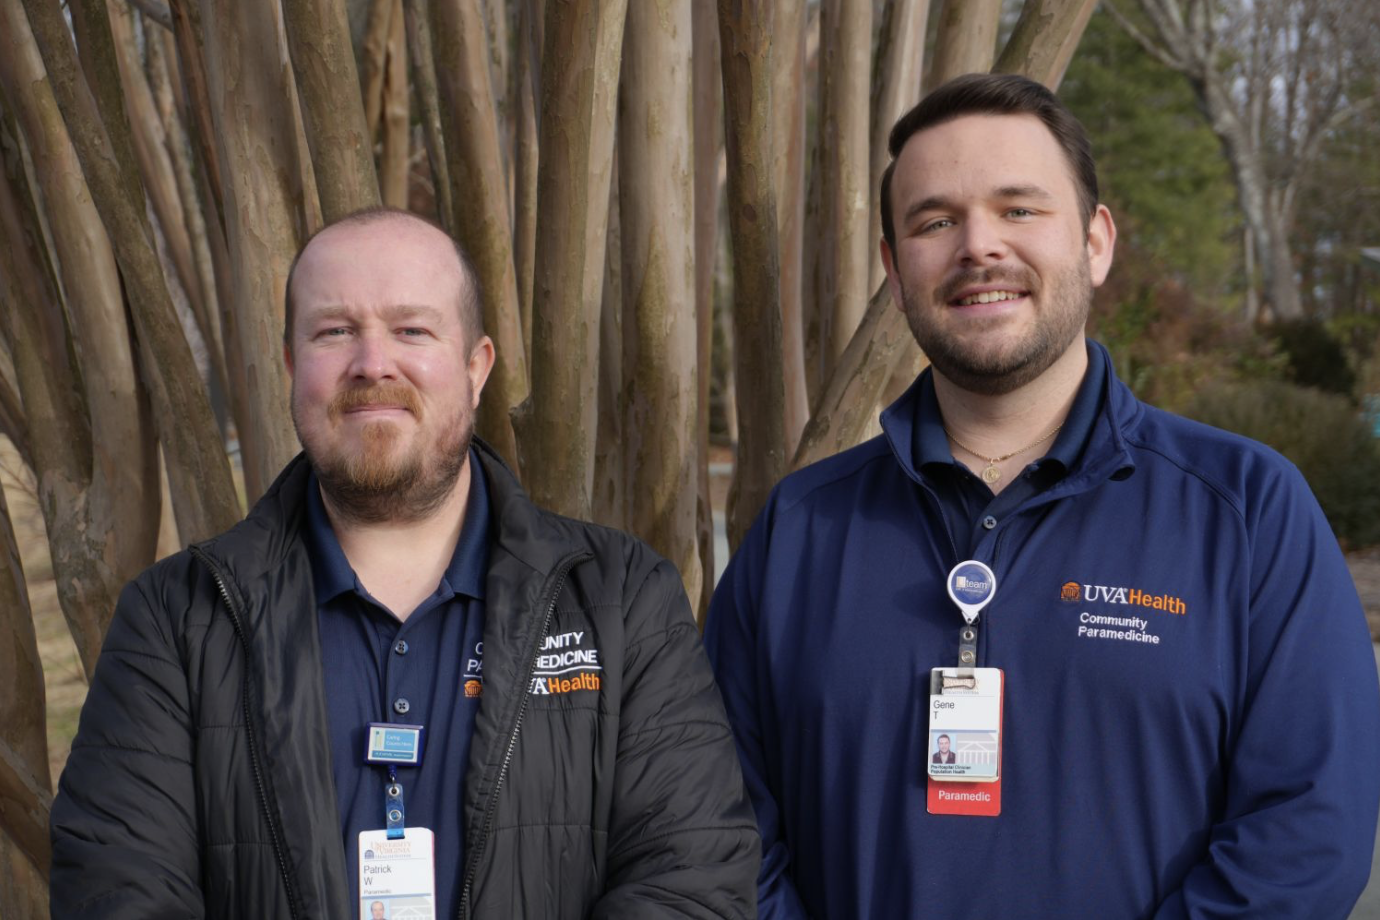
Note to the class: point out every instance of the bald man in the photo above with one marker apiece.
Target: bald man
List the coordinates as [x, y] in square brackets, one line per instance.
[398, 678]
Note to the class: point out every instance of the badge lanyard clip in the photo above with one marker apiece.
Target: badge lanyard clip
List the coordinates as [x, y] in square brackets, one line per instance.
[393, 804]
[972, 585]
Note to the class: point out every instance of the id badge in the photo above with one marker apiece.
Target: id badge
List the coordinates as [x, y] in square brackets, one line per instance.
[397, 878]
[963, 759]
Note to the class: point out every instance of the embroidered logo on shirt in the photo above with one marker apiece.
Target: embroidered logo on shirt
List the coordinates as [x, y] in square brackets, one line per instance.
[473, 681]
[1169, 603]
[566, 665]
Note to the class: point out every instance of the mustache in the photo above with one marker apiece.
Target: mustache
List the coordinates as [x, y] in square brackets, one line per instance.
[1020, 278]
[383, 394]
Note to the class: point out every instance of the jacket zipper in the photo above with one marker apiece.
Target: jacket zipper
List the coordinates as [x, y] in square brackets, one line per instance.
[472, 867]
[254, 760]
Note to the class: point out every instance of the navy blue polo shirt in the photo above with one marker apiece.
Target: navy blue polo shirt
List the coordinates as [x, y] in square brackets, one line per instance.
[969, 507]
[426, 671]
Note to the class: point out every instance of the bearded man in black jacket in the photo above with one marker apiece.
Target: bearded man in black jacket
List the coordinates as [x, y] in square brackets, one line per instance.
[398, 681]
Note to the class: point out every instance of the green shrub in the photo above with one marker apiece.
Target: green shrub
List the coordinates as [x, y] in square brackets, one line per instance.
[1325, 437]
[1316, 357]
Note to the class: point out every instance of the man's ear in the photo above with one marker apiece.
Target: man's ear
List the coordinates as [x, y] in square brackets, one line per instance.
[1101, 243]
[481, 363]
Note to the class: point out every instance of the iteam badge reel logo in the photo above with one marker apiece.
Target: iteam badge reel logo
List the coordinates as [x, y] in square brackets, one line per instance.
[1071, 592]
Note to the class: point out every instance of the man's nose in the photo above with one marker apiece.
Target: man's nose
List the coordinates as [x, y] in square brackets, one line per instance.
[981, 240]
[372, 359]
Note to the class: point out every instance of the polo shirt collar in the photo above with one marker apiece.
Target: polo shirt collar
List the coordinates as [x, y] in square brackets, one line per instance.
[930, 443]
[331, 571]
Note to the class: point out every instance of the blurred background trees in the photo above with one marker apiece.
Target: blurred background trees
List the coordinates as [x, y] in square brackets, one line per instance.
[672, 206]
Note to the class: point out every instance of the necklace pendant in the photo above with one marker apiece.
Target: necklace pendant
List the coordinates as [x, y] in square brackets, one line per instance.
[991, 474]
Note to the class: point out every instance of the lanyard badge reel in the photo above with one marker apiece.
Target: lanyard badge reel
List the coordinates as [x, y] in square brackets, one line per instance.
[390, 745]
[965, 710]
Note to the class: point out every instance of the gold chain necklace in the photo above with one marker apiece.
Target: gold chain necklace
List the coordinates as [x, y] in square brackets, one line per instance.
[991, 474]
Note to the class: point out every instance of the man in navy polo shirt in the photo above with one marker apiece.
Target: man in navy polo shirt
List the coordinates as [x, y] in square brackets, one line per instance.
[1122, 620]
[398, 687]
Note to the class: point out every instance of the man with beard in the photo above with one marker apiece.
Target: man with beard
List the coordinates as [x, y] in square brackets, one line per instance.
[1122, 612]
[397, 677]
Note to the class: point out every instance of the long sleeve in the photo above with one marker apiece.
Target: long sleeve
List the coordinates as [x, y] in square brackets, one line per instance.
[1303, 781]
[682, 842]
[730, 640]
[125, 842]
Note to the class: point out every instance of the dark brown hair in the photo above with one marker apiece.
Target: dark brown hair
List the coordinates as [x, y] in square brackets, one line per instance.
[471, 296]
[995, 94]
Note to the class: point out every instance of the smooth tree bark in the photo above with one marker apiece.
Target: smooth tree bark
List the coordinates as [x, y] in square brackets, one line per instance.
[417, 19]
[844, 252]
[323, 61]
[657, 211]
[579, 77]
[202, 489]
[897, 72]
[395, 160]
[264, 195]
[788, 148]
[117, 517]
[371, 60]
[708, 114]
[1029, 51]
[609, 500]
[525, 161]
[25, 783]
[479, 195]
[965, 40]
[745, 34]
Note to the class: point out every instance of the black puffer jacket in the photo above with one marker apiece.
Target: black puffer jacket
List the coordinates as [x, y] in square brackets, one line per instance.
[199, 783]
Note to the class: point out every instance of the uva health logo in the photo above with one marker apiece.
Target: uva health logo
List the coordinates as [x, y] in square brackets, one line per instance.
[1072, 591]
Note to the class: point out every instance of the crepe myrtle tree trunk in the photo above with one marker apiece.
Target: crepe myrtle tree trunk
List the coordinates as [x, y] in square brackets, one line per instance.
[323, 62]
[842, 413]
[896, 74]
[656, 170]
[417, 20]
[789, 151]
[59, 436]
[202, 489]
[25, 784]
[371, 59]
[965, 40]
[579, 77]
[248, 89]
[479, 196]
[608, 501]
[525, 160]
[845, 30]
[746, 28]
[708, 115]
[120, 509]
[395, 161]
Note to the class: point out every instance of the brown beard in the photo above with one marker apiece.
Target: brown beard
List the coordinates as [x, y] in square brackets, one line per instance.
[373, 485]
[990, 375]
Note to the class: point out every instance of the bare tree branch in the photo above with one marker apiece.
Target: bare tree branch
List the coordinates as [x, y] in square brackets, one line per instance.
[155, 10]
[1153, 48]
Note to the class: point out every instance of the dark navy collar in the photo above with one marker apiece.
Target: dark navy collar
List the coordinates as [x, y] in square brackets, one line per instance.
[930, 444]
[468, 567]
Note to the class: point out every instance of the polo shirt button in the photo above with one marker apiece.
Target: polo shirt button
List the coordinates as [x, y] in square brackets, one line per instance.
[989, 522]
[401, 647]
[401, 706]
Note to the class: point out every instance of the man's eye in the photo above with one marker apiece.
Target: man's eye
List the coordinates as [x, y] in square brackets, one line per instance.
[939, 224]
[1020, 212]
[335, 331]
[414, 331]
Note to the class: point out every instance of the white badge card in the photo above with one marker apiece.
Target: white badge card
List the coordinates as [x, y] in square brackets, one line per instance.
[397, 878]
[965, 725]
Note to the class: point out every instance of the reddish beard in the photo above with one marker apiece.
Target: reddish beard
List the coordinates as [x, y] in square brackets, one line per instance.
[377, 482]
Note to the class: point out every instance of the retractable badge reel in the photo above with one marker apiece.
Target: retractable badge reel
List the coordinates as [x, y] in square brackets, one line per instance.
[397, 863]
[963, 757]
[972, 585]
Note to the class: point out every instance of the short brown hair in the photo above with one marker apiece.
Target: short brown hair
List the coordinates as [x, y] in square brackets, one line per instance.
[472, 294]
[996, 94]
